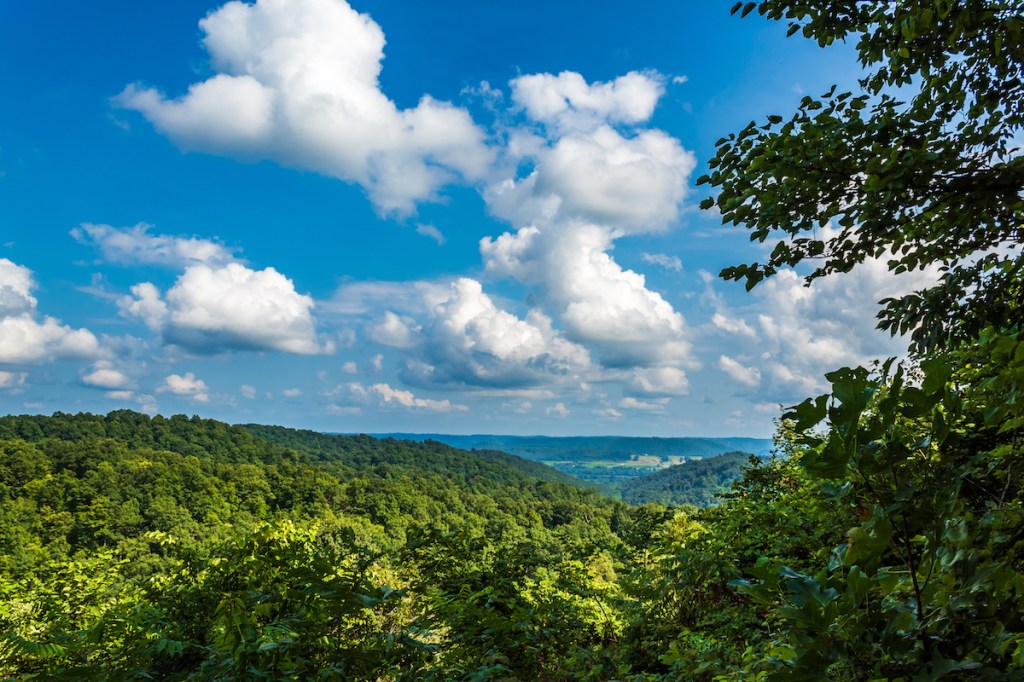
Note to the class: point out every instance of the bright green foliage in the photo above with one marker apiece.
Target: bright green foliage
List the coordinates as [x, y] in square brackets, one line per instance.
[226, 556]
[930, 581]
[686, 614]
[514, 612]
[922, 166]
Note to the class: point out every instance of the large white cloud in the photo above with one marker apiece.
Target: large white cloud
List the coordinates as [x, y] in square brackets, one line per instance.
[297, 82]
[471, 340]
[597, 301]
[630, 184]
[594, 177]
[213, 309]
[136, 246]
[24, 338]
[455, 334]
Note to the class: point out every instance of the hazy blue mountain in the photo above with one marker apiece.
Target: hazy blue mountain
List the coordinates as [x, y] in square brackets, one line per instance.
[612, 448]
[609, 461]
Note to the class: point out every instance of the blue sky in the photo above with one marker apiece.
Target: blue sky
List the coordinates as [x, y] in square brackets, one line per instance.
[395, 216]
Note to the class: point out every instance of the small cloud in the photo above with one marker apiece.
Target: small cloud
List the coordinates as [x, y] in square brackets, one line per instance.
[733, 325]
[247, 391]
[558, 410]
[608, 413]
[519, 406]
[394, 331]
[679, 80]
[393, 396]
[377, 362]
[148, 403]
[668, 262]
[187, 385]
[291, 393]
[432, 232]
[749, 376]
[10, 380]
[136, 246]
[661, 381]
[350, 367]
[343, 410]
[768, 408]
[125, 396]
[104, 375]
[630, 403]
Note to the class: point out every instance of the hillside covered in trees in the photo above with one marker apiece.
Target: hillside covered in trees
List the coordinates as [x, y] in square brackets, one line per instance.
[698, 482]
[609, 462]
[185, 548]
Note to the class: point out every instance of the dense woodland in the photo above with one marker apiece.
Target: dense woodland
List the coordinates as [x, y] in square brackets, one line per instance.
[699, 482]
[884, 540]
[187, 548]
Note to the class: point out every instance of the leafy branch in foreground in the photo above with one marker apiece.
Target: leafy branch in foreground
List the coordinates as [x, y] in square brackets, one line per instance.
[922, 167]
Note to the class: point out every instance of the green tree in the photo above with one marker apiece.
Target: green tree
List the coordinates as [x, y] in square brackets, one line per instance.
[921, 166]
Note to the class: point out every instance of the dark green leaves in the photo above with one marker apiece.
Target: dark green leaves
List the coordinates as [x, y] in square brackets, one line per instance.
[925, 178]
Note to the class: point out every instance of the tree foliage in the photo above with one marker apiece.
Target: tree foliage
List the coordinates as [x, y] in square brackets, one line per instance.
[922, 166]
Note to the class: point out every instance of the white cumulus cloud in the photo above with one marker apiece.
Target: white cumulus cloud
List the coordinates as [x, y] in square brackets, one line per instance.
[104, 375]
[567, 100]
[630, 184]
[186, 385]
[594, 175]
[298, 82]
[213, 309]
[473, 341]
[660, 381]
[558, 410]
[803, 332]
[631, 403]
[394, 331]
[27, 339]
[599, 303]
